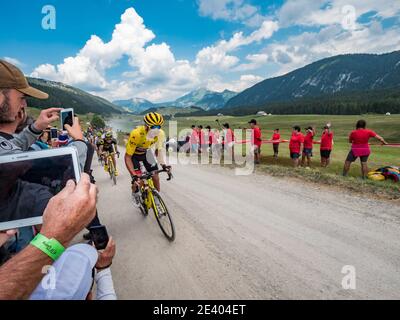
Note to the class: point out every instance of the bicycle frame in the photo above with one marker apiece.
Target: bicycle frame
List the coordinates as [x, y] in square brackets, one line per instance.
[148, 188]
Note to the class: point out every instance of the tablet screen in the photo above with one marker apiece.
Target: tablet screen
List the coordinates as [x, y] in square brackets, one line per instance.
[26, 186]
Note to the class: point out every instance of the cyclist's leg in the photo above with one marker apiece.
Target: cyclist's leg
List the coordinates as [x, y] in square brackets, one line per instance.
[150, 163]
[136, 166]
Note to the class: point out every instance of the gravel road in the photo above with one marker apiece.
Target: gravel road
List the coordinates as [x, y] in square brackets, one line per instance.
[251, 237]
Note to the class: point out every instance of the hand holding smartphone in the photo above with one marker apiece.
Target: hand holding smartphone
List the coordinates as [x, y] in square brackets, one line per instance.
[53, 133]
[67, 117]
[99, 237]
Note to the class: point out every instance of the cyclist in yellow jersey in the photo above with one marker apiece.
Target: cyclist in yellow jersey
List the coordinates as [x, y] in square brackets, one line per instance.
[139, 147]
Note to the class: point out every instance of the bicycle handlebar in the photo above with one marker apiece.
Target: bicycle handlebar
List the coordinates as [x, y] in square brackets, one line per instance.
[150, 174]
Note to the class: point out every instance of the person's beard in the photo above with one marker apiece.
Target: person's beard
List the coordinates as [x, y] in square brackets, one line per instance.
[5, 117]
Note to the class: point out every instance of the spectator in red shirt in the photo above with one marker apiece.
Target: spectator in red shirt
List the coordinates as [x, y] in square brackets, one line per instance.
[256, 140]
[295, 143]
[194, 139]
[228, 142]
[360, 147]
[326, 145]
[202, 141]
[275, 145]
[308, 146]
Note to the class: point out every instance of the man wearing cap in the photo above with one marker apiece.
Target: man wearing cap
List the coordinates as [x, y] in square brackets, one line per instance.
[14, 89]
[256, 140]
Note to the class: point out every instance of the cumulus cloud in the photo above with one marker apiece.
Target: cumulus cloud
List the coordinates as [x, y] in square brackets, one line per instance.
[151, 64]
[245, 81]
[218, 57]
[231, 10]
[324, 12]
[298, 51]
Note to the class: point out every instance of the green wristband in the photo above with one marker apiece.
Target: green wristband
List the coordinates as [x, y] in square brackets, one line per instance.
[51, 247]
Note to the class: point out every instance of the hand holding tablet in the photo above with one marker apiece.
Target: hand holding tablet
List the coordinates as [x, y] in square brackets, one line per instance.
[70, 211]
[29, 180]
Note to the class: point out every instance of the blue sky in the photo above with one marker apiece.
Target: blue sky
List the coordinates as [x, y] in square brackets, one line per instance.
[160, 50]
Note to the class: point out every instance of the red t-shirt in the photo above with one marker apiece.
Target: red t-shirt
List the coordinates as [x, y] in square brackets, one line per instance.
[295, 142]
[210, 137]
[194, 137]
[229, 137]
[257, 136]
[308, 140]
[361, 136]
[201, 137]
[326, 141]
[276, 136]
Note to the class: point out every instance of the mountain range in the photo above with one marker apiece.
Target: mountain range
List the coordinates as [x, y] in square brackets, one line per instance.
[330, 77]
[203, 98]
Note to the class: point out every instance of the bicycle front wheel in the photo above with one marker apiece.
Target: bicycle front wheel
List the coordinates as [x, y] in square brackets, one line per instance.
[163, 217]
[111, 170]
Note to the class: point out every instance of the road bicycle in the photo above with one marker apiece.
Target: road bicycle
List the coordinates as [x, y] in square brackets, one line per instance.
[150, 198]
[109, 162]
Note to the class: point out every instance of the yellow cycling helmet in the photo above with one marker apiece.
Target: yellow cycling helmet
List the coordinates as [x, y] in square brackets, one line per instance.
[153, 119]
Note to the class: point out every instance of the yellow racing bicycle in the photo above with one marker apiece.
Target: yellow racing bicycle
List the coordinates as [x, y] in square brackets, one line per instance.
[150, 198]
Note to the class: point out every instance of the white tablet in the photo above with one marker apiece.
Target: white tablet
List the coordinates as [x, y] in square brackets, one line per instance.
[28, 180]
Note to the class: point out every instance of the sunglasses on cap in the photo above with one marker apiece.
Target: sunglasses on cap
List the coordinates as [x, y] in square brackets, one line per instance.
[155, 127]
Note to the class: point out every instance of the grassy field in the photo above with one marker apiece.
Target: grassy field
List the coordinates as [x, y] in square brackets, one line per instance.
[386, 126]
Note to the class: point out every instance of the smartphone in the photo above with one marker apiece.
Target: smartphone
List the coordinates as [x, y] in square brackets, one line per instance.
[67, 117]
[53, 133]
[99, 237]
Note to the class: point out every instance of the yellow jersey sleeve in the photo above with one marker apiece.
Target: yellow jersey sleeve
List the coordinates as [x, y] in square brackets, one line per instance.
[132, 143]
[160, 140]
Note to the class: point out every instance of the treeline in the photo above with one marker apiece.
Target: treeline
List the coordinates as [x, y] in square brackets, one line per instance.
[69, 97]
[377, 101]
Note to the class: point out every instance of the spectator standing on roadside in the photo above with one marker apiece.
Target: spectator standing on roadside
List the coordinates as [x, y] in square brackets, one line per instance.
[256, 140]
[202, 141]
[276, 137]
[308, 147]
[360, 147]
[326, 145]
[228, 141]
[194, 140]
[296, 140]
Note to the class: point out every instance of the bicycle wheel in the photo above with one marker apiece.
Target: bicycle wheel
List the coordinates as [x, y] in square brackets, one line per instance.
[143, 207]
[163, 217]
[111, 170]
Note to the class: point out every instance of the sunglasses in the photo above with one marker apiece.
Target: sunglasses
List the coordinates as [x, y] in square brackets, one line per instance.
[155, 127]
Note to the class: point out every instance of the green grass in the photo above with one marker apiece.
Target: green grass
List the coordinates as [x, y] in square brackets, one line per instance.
[386, 126]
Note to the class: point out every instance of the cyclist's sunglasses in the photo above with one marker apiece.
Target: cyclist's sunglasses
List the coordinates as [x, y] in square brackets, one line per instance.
[155, 127]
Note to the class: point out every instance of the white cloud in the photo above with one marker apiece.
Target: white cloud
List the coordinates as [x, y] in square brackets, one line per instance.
[152, 65]
[298, 51]
[323, 12]
[256, 61]
[245, 81]
[217, 57]
[231, 10]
